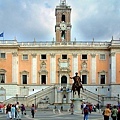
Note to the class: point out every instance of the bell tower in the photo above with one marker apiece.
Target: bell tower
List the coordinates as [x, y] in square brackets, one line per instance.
[63, 22]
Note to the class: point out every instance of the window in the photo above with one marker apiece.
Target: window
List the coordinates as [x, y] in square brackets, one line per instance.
[24, 79]
[84, 79]
[84, 57]
[2, 78]
[102, 56]
[2, 55]
[63, 35]
[43, 79]
[25, 57]
[102, 79]
[43, 56]
[64, 56]
[63, 18]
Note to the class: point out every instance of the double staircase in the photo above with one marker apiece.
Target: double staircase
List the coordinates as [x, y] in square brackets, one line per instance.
[47, 96]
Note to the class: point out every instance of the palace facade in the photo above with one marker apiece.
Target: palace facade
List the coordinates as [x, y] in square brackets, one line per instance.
[28, 67]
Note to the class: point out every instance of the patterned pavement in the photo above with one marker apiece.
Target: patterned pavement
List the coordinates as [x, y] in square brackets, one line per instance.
[50, 115]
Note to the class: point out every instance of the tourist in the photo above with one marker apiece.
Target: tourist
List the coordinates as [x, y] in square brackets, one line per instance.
[33, 110]
[13, 111]
[114, 112]
[18, 109]
[72, 108]
[84, 105]
[23, 109]
[86, 112]
[118, 115]
[107, 112]
[8, 111]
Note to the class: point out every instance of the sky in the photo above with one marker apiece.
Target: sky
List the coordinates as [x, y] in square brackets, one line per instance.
[27, 20]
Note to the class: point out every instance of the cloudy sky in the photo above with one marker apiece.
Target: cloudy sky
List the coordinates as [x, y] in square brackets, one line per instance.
[29, 19]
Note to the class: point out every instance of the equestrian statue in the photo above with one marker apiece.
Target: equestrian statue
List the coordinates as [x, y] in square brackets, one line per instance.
[77, 85]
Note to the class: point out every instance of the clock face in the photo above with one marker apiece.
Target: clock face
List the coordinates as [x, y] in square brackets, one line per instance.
[63, 26]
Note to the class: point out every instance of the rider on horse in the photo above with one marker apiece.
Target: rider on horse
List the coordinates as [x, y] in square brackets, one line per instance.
[77, 80]
[77, 83]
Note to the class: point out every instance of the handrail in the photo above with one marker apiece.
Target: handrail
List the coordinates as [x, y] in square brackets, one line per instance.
[39, 91]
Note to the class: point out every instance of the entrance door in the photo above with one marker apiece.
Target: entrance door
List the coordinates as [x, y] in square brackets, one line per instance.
[63, 80]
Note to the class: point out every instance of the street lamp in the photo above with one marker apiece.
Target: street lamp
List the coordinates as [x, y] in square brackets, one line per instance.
[16, 98]
[118, 99]
[98, 102]
[35, 101]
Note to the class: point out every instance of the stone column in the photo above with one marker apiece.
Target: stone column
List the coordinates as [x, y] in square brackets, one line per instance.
[53, 69]
[34, 69]
[75, 64]
[113, 67]
[93, 67]
[15, 67]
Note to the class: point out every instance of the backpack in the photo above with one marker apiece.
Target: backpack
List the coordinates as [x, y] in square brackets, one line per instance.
[86, 111]
[119, 111]
[18, 109]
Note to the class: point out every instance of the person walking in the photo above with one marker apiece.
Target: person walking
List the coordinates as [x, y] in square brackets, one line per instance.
[84, 105]
[23, 109]
[86, 112]
[106, 113]
[33, 111]
[8, 111]
[118, 114]
[114, 113]
[13, 111]
[72, 108]
[18, 109]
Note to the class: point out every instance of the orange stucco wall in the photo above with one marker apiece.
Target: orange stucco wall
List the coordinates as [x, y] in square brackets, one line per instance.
[118, 68]
[6, 64]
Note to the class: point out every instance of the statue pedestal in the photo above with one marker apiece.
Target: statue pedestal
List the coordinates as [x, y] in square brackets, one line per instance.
[77, 104]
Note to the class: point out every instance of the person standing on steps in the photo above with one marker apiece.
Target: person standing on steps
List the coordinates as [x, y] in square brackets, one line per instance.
[33, 111]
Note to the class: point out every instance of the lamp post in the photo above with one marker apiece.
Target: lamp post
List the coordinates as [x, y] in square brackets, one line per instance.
[35, 101]
[98, 102]
[16, 98]
[118, 99]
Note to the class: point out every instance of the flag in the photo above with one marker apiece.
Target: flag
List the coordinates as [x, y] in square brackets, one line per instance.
[1, 35]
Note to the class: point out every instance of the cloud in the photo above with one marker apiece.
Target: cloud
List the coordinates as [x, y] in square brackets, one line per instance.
[31, 19]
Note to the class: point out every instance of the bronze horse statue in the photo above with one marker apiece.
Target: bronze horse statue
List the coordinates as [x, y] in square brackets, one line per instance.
[77, 85]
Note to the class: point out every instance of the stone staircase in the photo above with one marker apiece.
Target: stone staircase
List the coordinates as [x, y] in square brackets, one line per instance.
[34, 98]
[47, 96]
[95, 98]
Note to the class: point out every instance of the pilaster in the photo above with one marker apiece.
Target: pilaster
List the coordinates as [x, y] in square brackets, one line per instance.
[52, 68]
[113, 67]
[34, 68]
[75, 63]
[93, 67]
[15, 67]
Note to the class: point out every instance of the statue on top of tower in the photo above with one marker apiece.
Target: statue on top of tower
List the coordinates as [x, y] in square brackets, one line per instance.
[63, 2]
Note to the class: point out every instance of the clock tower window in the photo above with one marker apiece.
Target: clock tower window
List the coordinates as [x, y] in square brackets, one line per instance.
[63, 18]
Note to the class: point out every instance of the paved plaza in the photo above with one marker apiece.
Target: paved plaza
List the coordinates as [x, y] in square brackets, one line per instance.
[50, 115]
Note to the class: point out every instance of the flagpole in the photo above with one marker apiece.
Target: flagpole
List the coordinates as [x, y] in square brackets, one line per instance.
[3, 35]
